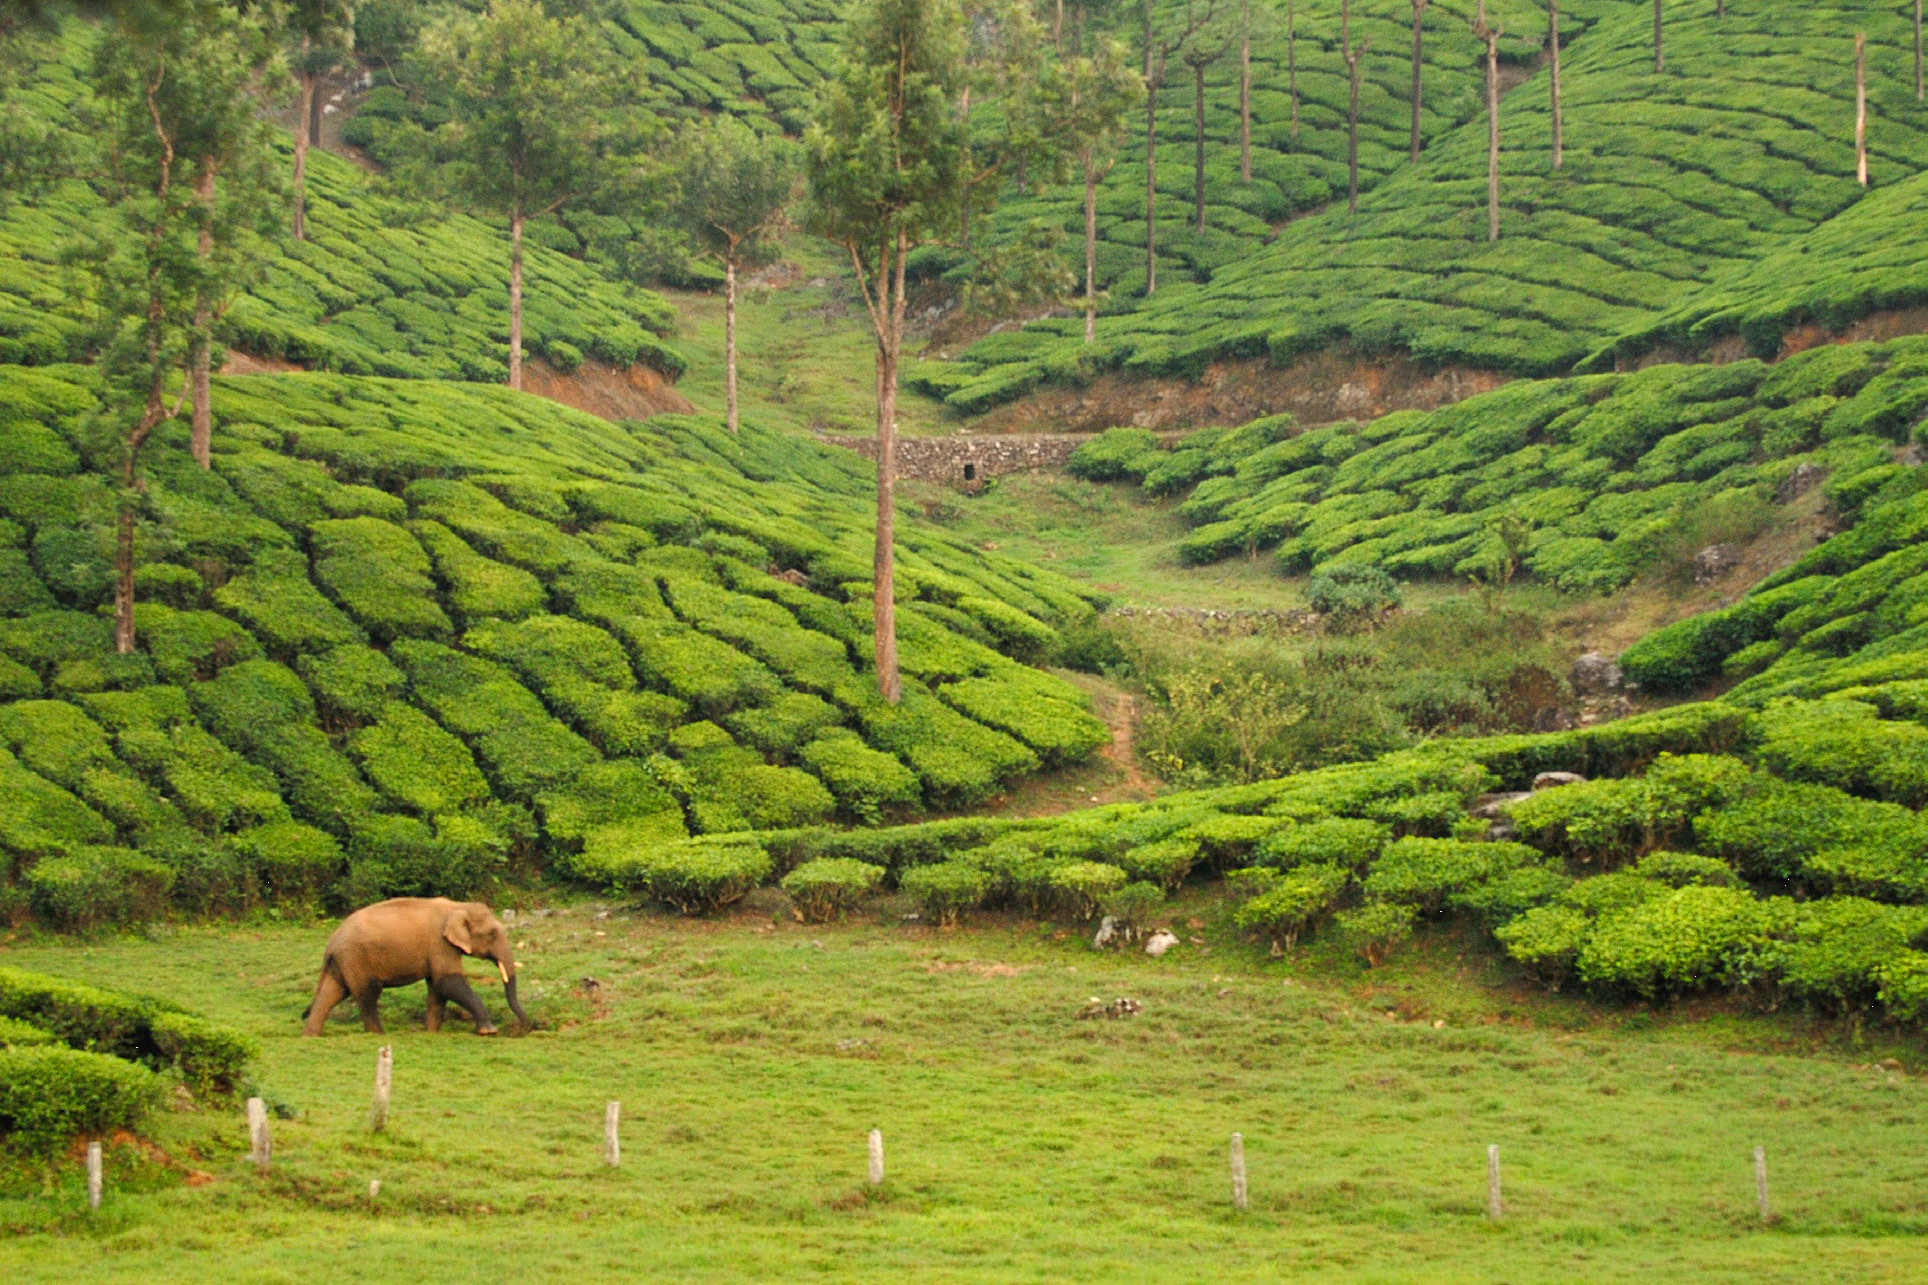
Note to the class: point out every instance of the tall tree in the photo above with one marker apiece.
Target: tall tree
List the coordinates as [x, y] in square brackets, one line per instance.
[1292, 63]
[885, 163]
[1419, 9]
[1861, 108]
[1165, 33]
[538, 119]
[1921, 84]
[164, 76]
[1491, 35]
[1553, 57]
[1245, 91]
[1097, 91]
[1352, 55]
[322, 33]
[1660, 59]
[737, 187]
[1205, 47]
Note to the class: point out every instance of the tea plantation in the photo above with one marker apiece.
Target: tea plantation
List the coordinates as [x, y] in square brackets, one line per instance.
[381, 286]
[1578, 480]
[1671, 183]
[414, 636]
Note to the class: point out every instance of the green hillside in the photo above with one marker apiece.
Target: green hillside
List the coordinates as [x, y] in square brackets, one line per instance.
[382, 286]
[1588, 476]
[413, 636]
[1671, 181]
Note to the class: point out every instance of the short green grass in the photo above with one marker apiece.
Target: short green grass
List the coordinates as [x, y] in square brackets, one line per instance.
[752, 1054]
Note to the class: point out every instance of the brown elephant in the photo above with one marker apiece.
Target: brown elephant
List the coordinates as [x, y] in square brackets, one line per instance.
[412, 939]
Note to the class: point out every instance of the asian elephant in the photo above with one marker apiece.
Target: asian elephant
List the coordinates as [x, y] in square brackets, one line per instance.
[412, 939]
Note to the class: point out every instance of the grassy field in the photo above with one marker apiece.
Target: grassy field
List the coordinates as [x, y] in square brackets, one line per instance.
[752, 1054]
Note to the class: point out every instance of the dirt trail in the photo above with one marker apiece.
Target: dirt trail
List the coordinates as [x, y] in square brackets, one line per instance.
[1123, 717]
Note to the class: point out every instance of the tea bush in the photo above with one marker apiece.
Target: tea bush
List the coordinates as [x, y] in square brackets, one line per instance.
[825, 888]
[944, 890]
[49, 1095]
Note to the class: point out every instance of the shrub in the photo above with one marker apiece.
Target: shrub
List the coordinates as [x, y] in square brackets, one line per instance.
[1076, 888]
[1546, 941]
[1376, 929]
[477, 586]
[417, 764]
[1133, 906]
[1228, 839]
[1351, 594]
[1501, 898]
[48, 1095]
[825, 888]
[1785, 831]
[1686, 940]
[867, 783]
[379, 573]
[17, 1034]
[618, 804]
[138, 1028]
[1847, 745]
[1117, 454]
[696, 876]
[1425, 872]
[94, 886]
[352, 684]
[294, 862]
[1165, 863]
[1059, 730]
[946, 889]
[1682, 869]
[281, 607]
[1338, 841]
[785, 725]
[1294, 903]
[1610, 821]
[1840, 949]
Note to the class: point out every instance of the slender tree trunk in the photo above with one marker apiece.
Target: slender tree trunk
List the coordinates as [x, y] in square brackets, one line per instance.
[1419, 7]
[1057, 29]
[1151, 161]
[1352, 126]
[729, 339]
[1492, 135]
[1553, 45]
[1292, 64]
[1921, 86]
[1091, 249]
[515, 300]
[315, 114]
[1245, 91]
[1861, 108]
[152, 411]
[964, 185]
[201, 436]
[301, 150]
[889, 340]
[1198, 146]
[1660, 60]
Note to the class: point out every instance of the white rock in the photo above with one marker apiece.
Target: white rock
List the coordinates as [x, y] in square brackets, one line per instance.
[1160, 942]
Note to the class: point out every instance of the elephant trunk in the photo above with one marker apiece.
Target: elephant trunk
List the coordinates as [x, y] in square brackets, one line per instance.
[508, 994]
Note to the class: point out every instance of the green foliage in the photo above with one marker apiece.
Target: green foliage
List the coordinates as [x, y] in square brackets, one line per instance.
[1546, 940]
[417, 764]
[92, 886]
[1690, 939]
[695, 876]
[48, 1095]
[1293, 903]
[1376, 929]
[825, 888]
[1425, 873]
[1348, 842]
[379, 573]
[868, 784]
[209, 1057]
[944, 890]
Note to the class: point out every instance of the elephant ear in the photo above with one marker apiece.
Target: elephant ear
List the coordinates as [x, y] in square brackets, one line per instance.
[457, 931]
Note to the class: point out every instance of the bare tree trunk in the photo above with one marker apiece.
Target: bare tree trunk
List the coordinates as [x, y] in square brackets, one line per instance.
[884, 605]
[1352, 57]
[1198, 146]
[301, 150]
[1245, 91]
[729, 339]
[1151, 162]
[515, 301]
[1057, 29]
[1419, 7]
[152, 411]
[1553, 44]
[1861, 108]
[964, 186]
[1921, 87]
[1660, 60]
[1493, 135]
[1292, 64]
[201, 436]
[1091, 250]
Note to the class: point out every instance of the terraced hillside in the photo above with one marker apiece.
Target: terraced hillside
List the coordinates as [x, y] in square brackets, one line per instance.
[1578, 480]
[382, 286]
[1671, 181]
[412, 635]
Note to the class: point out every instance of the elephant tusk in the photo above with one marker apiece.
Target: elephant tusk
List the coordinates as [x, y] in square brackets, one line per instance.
[501, 968]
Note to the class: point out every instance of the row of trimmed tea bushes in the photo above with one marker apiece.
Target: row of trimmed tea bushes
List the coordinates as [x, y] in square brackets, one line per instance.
[77, 1059]
[1669, 181]
[408, 637]
[380, 286]
[1294, 168]
[1847, 620]
[1582, 479]
[1863, 261]
[1705, 852]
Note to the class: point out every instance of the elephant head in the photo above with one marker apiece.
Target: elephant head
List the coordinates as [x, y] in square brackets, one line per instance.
[473, 929]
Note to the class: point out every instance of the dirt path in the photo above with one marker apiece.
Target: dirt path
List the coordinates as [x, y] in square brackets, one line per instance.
[1123, 717]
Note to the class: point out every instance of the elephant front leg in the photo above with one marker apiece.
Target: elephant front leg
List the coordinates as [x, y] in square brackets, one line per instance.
[437, 1009]
[454, 988]
[370, 1000]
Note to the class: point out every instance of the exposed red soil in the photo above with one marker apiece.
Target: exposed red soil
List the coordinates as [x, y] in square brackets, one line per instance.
[242, 363]
[609, 391]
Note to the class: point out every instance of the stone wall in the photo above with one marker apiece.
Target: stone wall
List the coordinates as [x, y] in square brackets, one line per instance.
[966, 459]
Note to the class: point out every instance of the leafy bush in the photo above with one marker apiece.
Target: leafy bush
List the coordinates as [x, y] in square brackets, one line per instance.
[208, 1057]
[696, 876]
[294, 862]
[825, 888]
[1133, 906]
[1296, 901]
[95, 886]
[1376, 929]
[1425, 872]
[1164, 864]
[1547, 940]
[1078, 888]
[868, 784]
[946, 889]
[48, 1095]
[1351, 594]
[1341, 841]
[1689, 939]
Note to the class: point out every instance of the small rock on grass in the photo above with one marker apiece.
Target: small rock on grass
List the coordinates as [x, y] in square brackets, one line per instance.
[1160, 942]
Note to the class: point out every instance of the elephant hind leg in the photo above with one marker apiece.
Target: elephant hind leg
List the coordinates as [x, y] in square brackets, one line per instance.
[437, 1008]
[369, 998]
[328, 992]
[455, 988]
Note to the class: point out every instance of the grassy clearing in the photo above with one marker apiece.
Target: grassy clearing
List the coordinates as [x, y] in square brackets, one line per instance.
[752, 1054]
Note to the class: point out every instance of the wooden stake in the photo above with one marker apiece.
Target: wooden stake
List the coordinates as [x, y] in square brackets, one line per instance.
[876, 1157]
[93, 1175]
[384, 1080]
[1238, 1171]
[1861, 108]
[612, 1146]
[259, 1148]
[1760, 1181]
[1494, 1208]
